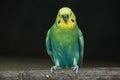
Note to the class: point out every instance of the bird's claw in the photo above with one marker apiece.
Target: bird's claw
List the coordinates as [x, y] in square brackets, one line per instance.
[54, 68]
[75, 68]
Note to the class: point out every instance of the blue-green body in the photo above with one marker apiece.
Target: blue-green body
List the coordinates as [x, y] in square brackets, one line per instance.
[65, 46]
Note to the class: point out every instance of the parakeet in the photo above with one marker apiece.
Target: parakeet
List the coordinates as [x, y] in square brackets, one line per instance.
[65, 42]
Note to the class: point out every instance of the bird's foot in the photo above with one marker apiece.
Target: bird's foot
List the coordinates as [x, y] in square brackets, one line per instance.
[54, 68]
[75, 68]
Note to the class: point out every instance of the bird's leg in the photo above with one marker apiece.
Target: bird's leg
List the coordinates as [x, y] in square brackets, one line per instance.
[54, 68]
[76, 68]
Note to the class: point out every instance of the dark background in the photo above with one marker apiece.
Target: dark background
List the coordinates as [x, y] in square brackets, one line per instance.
[24, 24]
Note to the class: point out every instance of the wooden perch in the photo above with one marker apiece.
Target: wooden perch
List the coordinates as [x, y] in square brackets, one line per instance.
[65, 74]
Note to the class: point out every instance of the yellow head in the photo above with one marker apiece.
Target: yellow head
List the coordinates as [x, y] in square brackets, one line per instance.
[65, 18]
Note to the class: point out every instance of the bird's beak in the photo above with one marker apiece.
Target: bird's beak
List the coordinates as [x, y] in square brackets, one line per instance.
[65, 18]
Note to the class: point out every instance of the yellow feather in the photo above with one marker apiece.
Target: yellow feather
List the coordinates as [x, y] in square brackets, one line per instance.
[71, 22]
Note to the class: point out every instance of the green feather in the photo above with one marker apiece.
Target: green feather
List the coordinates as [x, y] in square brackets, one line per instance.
[64, 46]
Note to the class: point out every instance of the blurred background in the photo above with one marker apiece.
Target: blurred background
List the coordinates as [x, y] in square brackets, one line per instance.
[24, 24]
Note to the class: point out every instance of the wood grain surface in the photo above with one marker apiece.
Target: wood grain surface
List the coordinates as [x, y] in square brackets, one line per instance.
[64, 74]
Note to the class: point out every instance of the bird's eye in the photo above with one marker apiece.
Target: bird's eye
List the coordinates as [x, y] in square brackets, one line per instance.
[72, 20]
[59, 22]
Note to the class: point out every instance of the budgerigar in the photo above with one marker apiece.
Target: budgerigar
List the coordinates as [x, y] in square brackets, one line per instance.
[64, 41]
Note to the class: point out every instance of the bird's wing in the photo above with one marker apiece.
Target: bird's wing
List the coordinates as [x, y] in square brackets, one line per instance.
[48, 43]
[81, 47]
